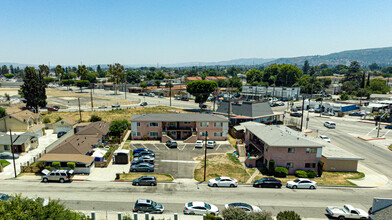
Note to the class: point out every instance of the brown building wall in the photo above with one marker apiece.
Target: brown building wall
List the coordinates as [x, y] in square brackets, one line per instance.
[340, 165]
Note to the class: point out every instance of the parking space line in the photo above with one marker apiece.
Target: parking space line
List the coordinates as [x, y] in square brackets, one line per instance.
[132, 146]
[194, 147]
[183, 147]
[218, 147]
[145, 146]
[156, 147]
[167, 147]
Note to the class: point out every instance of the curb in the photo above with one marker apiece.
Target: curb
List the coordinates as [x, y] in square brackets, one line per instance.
[79, 180]
[371, 139]
[373, 122]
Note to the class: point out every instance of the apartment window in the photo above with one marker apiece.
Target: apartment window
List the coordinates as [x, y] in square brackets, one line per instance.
[138, 124]
[6, 147]
[291, 150]
[203, 124]
[172, 124]
[218, 124]
[310, 165]
[187, 123]
[203, 133]
[290, 165]
[218, 134]
[153, 124]
[138, 134]
[311, 150]
[266, 149]
[153, 134]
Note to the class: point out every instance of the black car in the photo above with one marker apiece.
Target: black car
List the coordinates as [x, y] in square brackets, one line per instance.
[296, 114]
[141, 94]
[268, 183]
[142, 167]
[139, 150]
[356, 114]
[60, 134]
[171, 143]
[143, 104]
[145, 181]
[146, 205]
[142, 153]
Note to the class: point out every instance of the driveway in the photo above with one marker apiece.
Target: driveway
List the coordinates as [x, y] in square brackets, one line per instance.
[179, 162]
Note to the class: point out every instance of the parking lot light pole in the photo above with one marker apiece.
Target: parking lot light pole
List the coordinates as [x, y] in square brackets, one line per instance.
[13, 153]
[205, 155]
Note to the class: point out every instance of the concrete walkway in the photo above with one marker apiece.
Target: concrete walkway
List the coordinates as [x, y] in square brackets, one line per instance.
[125, 139]
[253, 176]
[371, 179]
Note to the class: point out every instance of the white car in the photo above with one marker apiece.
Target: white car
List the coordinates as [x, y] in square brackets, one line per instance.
[330, 124]
[301, 183]
[310, 110]
[223, 181]
[199, 144]
[243, 206]
[102, 106]
[211, 144]
[193, 208]
[325, 138]
[347, 211]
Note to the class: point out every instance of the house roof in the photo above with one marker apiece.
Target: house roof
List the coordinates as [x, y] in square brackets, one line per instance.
[20, 139]
[67, 158]
[77, 144]
[381, 208]
[193, 78]
[249, 109]
[13, 109]
[94, 128]
[279, 136]
[36, 127]
[178, 117]
[83, 124]
[68, 120]
[25, 115]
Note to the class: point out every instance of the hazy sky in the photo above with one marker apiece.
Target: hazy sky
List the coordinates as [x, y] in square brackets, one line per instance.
[152, 31]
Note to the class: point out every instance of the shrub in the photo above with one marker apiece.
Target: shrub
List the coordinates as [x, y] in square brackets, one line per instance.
[281, 172]
[288, 215]
[320, 166]
[94, 118]
[319, 99]
[311, 174]
[56, 165]
[240, 214]
[301, 174]
[71, 165]
[271, 167]
[48, 168]
[212, 217]
[46, 120]
[264, 170]
[260, 216]
[59, 119]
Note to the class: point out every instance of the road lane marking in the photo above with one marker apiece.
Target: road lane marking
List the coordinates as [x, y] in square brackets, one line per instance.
[180, 161]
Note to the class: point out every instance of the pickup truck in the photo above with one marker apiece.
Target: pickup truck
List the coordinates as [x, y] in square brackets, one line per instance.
[347, 211]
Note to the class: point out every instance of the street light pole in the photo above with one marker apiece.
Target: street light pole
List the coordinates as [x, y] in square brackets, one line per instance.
[205, 155]
[170, 85]
[13, 153]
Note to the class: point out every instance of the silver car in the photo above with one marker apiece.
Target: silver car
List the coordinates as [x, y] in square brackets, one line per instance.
[57, 175]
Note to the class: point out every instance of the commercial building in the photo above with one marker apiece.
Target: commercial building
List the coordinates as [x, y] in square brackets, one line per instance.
[258, 92]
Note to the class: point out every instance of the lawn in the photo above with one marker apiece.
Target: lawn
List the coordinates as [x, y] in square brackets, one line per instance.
[160, 177]
[4, 163]
[390, 147]
[111, 115]
[328, 178]
[221, 165]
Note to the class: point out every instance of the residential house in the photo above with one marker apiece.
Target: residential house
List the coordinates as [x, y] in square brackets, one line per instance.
[381, 209]
[288, 148]
[192, 78]
[100, 128]
[64, 125]
[22, 121]
[80, 126]
[243, 111]
[21, 142]
[184, 126]
[83, 164]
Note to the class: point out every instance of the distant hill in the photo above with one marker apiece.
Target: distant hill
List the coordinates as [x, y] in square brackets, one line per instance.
[381, 56]
[235, 62]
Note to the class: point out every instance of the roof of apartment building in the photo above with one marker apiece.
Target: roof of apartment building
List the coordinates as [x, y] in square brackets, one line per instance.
[94, 128]
[333, 152]
[20, 139]
[24, 115]
[381, 209]
[248, 109]
[67, 158]
[178, 117]
[77, 144]
[279, 136]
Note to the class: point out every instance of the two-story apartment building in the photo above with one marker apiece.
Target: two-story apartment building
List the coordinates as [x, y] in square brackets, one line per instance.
[184, 126]
[22, 121]
[288, 148]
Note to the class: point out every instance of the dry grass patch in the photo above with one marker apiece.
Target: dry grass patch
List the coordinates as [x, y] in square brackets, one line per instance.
[160, 177]
[111, 115]
[221, 165]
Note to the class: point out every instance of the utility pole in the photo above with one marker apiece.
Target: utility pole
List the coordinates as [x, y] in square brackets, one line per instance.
[170, 95]
[13, 153]
[80, 113]
[302, 116]
[125, 89]
[322, 98]
[379, 122]
[229, 108]
[205, 155]
[91, 97]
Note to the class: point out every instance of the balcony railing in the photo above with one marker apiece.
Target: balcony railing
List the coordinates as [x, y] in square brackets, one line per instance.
[180, 128]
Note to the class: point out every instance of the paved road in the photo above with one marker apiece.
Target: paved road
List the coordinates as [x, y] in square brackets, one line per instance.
[120, 196]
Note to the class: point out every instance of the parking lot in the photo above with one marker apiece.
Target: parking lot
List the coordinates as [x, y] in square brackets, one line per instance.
[179, 162]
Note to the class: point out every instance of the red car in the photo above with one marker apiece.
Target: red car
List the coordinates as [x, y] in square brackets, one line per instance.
[185, 99]
[52, 109]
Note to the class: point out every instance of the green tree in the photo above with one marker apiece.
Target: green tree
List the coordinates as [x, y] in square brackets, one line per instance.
[43, 69]
[169, 85]
[232, 71]
[354, 67]
[306, 67]
[201, 89]
[222, 83]
[59, 71]
[4, 70]
[374, 66]
[143, 85]
[157, 83]
[118, 127]
[71, 165]
[46, 120]
[133, 77]
[3, 113]
[81, 72]
[82, 83]
[379, 86]
[288, 75]
[117, 71]
[56, 165]
[254, 75]
[33, 89]
[100, 72]
[368, 80]
[92, 77]
[48, 80]
[272, 70]
[235, 82]
[159, 75]
[95, 118]
[344, 96]
[288, 215]
[68, 82]
[9, 75]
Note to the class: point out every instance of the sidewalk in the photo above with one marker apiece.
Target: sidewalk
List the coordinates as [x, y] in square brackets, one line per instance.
[371, 179]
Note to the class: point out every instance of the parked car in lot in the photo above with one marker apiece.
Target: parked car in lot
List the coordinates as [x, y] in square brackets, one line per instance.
[151, 95]
[102, 107]
[317, 110]
[184, 99]
[243, 206]
[171, 143]
[142, 167]
[296, 114]
[139, 150]
[52, 109]
[143, 104]
[60, 134]
[211, 144]
[310, 110]
[330, 124]
[199, 144]
[161, 96]
[325, 138]
[56, 106]
[57, 175]
[145, 181]
[357, 114]
[388, 126]
[147, 205]
[200, 208]
[8, 155]
[141, 94]
[116, 105]
[267, 182]
[223, 181]
[301, 183]
[146, 152]
[143, 159]
[347, 211]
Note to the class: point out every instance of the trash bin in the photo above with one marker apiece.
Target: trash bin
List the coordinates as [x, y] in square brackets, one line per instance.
[117, 176]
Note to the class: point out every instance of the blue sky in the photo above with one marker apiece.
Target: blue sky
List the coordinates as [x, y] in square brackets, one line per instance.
[164, 32]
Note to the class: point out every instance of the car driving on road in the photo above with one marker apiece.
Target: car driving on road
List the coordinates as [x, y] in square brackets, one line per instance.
[243, 206]
[143, 104]
[223, 181]
[267, 182]
[145, 181]
[347, 211]
[200, 208]
[330, 124]
[295, 114]
[147, 205]
[116, 106]
[301, 183]
[325, 138]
